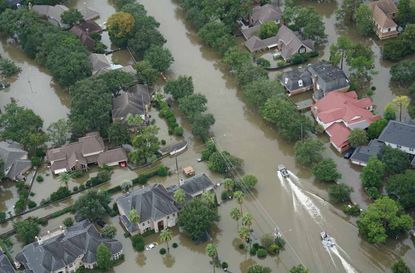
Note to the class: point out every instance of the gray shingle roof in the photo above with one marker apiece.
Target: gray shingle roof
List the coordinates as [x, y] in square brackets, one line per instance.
[267, 12]
[197, 184]
[151, 202]
[290, 43]
[399, 133]
[5, 265]
[132, 102]
[290, 79]
[363, 153]
[61, 250]
[14, 158]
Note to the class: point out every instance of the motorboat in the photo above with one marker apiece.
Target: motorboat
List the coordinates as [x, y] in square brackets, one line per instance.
[326, 239]
[283, 171]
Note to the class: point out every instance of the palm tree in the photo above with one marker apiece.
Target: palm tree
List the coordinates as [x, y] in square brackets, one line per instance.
[243, 234]
[134, 217]
[229, 184]
[209, 199]
[212, 252]
[239, 196]
[179, 197]
[165, 237]
[236, 215]
[247, 220]
[64, 178]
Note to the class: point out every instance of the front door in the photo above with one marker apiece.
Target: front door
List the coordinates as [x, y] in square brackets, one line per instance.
[160, 225]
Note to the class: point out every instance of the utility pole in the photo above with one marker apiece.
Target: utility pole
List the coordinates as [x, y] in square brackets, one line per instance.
[177, 166]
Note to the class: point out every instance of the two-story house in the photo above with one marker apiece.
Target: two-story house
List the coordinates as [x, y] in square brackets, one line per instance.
[383, 13]
[400, 136]
[15, 160]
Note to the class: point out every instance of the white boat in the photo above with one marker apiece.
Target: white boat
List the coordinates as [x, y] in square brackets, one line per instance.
[326, 239]
[283, 171]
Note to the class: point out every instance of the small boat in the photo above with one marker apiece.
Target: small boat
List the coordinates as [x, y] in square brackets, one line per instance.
[326, 239]
[283, 171]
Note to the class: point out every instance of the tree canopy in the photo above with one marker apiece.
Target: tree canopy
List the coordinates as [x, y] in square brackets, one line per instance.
[383, 219]
[372, 176]
[146, 145]
[402, 188]
[358, 137]
[395, 160]
[268, 29]
[71, 17]
[340, 193]
[159, 57]
[403, 72]
[375, 128]
[59, 132]
[92, 205]
[26, 230]
[326, 170]
[197, 218]
[120, 25]
[364, 20]
[179, 88]
[259, 91]
[103, 257]
[308, 151]
[216, 35]
[400, 267]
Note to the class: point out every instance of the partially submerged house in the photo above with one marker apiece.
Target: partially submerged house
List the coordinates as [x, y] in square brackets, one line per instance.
[297, 80]
[89, 149]
[399, 135]
[383, 13]
[362, 154]
[51, 13]
[135, 101]
[83, 32]
[154, 205]
[15, 160]
[327, 78]
[66, 250]
[197, 185]
[100, 63]
[265, 13]
[89, 14]
[173, 149]
[5, 265]
[339, 113]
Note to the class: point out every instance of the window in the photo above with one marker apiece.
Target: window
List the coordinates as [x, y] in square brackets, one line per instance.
[399, 146]
[286, 80]
[168, 217]
[300, 83]
[143, 224]
[389, 29]
[302, 50]
[411, 149]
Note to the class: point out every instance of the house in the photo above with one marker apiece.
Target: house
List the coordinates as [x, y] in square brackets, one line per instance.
[290, 43]
[327, 78]
[265, 13]
[400, 136]
[52, 13]
[255, 44]
[13, 4]
[66, 250]
[15, 159]
[89, 14]
[362, 154]
[89, 149]
[100, 63]
[197, 185]
[173, 149]
[5, 265]
[339, 113]
[83, 32]
[135, 101]
[154, 205]
[383, 13]
[297, 80]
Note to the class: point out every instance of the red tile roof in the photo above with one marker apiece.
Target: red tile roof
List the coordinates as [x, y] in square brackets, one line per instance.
[339, 134]
[346, 107]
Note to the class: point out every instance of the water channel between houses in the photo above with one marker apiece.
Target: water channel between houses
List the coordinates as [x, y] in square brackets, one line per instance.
[298, 210]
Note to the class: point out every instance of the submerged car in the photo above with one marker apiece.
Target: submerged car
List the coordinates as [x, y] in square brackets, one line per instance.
[283, 171]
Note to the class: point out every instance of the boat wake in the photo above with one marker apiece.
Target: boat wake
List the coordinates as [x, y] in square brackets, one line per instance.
[282, 181]
[348, 267]
[304, 200]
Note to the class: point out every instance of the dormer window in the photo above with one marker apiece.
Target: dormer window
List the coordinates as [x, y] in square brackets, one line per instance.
[286, 81]
[300, 83]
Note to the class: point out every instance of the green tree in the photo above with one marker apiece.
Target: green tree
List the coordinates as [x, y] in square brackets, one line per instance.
[236, 215]
[144, 37]
[339, 50]
[138, 242]
[244, 234]
[134, 217]
[103, 257]
[209, 198]
[403, 72]
[405, 13]
[201, 125]
[364, 20]
[109, 231]
[256, 268]
[383, 219]
[257, 92]
[224, 163]
[120, 26]
[299, 269]
[399, 103]
[249, 72]
[247, 220]
[358, 137]
[268, 29]
[179, 88]
[91, 105]
[197, 218]
[68, 222]
[216, 35]
[160, 58]
[235, 58]
[146, 73]
[326, 170]
[347, 12]
[249, 182]
[58, 132]
[23, 126]
[92, 205]
[239, 196]
[72, 17]
[375, 128]
[389, 113]
[26, 230]
[396, 49]
[229, 184]
[117, 80]
[395, 160]
[134, 120]
[308, 151]
[192, 105]
[165, 237]
[179, 196]
[212, 252]
[146, 145]
[118, 134]
[8, 68]
[340, 193]
[401, 187]
[373, 174]
[64, 178]
[400, 267]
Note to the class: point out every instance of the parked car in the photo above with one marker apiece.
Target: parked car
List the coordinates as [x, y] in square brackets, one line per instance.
[151, 246]
[100, 223]
[348, 153]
